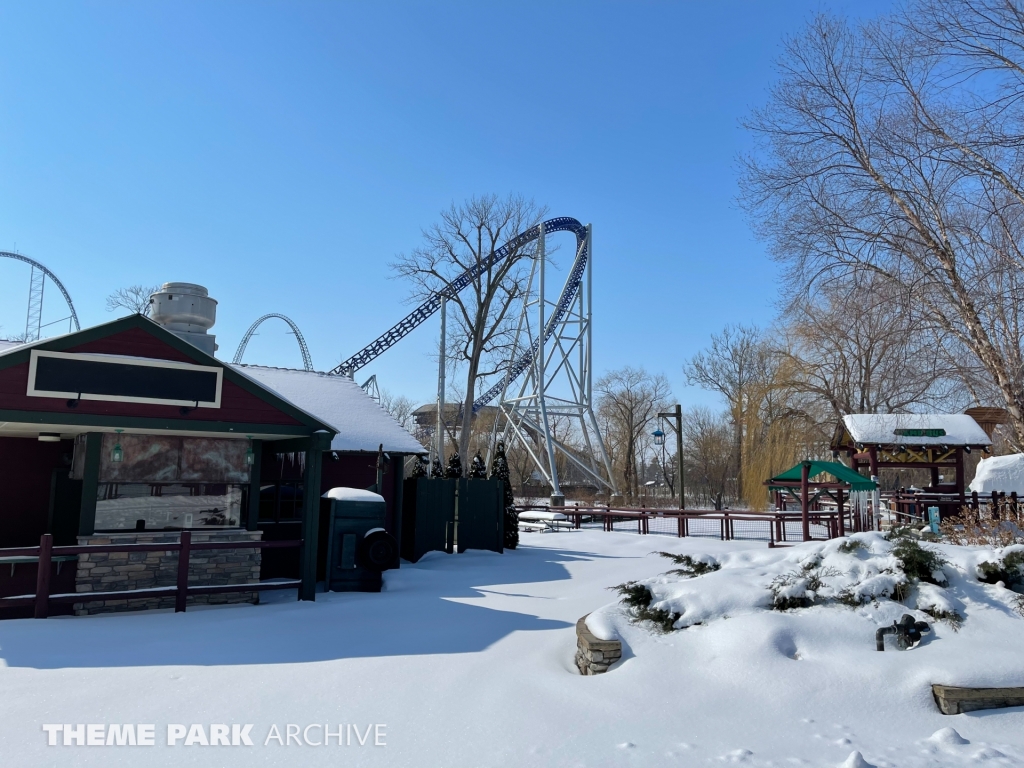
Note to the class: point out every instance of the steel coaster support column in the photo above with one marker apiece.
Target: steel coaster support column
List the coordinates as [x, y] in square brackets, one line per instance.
[441, 384]
[34, 319]
[590, 318]
[588, 376]
[557, 497]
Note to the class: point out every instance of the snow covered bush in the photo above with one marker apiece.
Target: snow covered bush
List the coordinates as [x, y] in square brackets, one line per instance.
[918, 563]
[1008, 568]
[807, 586]
[864, 571]
[638, 597]
[689, 566]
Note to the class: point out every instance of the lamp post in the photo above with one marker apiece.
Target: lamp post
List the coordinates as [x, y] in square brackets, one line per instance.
[659, 442]
[676, 419]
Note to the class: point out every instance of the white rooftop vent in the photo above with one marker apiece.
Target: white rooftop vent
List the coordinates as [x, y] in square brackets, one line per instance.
[187, 311]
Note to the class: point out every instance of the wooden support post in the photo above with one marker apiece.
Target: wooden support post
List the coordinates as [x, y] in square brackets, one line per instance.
[181, 596]
[253, 513]
[310, 521]
[398, 500]
[90, 484]
[804, 500]
[839, 509]
[42, 606]
[960, 481]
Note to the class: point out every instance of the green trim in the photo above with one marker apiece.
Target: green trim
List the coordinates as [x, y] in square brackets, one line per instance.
[920, 432]
[140, 422]
[97, 332]
[310, 523]
[398, 500]
[90, 484]
[841, 472]
[253, 516]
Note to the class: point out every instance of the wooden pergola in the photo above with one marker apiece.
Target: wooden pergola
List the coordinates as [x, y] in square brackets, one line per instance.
[936, 442]
[800, 477]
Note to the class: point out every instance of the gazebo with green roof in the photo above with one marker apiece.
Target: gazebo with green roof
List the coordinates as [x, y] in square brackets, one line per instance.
[799, 476]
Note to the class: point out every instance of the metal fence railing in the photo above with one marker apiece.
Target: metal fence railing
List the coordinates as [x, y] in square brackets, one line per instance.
[727, 525]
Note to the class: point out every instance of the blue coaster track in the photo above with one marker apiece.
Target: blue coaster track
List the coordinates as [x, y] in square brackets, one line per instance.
[405, 326]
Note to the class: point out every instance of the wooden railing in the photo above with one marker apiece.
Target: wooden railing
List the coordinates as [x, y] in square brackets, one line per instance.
[46, 552]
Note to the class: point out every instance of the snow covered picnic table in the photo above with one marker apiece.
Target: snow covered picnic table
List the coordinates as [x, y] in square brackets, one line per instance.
[532, 520]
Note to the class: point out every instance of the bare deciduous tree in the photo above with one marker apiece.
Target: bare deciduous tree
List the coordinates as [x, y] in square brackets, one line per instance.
[479, 317]
[708, 453]
[893, 149]
[629, 399]
[134, 298]
[399, 406]
[858, 346]
[735, 366]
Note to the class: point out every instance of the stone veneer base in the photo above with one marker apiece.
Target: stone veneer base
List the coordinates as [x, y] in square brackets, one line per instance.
[116, 571]
[593, 655]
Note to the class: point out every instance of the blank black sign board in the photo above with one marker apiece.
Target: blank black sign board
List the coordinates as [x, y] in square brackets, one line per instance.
[90, 377]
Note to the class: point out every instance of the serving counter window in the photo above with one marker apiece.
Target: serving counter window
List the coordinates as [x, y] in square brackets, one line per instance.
[131, 506]
[170, 482]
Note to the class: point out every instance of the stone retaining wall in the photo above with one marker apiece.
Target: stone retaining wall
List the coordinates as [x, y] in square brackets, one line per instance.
[593, 655]
[116, 571]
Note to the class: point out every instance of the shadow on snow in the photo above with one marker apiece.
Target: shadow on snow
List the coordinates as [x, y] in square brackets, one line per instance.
[418, 613]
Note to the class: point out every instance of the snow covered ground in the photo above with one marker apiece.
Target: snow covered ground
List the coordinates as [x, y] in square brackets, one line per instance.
[467, 660]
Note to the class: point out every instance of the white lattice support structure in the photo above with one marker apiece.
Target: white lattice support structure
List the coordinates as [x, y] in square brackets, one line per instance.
[34, 321]
[555, 395]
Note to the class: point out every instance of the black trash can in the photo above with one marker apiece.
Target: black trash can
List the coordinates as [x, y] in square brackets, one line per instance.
[358, 547]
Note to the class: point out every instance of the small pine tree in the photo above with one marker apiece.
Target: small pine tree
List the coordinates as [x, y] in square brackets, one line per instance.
[499, 469]
[421, 467]
[454, 469]
[436, 470]
[478, 469]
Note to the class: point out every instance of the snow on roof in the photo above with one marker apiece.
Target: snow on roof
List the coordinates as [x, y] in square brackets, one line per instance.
[915, 429]
[353, 494]
[1000, 473]
[361, 423]
[6, 345]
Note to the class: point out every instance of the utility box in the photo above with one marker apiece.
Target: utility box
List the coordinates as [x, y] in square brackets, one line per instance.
[358, 547]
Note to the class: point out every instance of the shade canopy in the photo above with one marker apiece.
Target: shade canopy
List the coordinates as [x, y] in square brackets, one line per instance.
[841, 472]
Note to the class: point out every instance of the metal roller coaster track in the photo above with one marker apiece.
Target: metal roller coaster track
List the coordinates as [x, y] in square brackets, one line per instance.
[35, 298]
[307, 360]
[404, 327]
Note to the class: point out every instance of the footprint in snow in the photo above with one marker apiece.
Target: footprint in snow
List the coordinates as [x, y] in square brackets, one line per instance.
[626, 745]
[736, 756]
[842, 742]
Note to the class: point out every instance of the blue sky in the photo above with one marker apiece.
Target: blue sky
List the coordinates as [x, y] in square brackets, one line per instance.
[282, 153]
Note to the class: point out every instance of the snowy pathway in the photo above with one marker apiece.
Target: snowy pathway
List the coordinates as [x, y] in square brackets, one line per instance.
[468, 661]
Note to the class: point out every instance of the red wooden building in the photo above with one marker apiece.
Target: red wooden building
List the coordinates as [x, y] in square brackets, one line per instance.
[126, 428]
